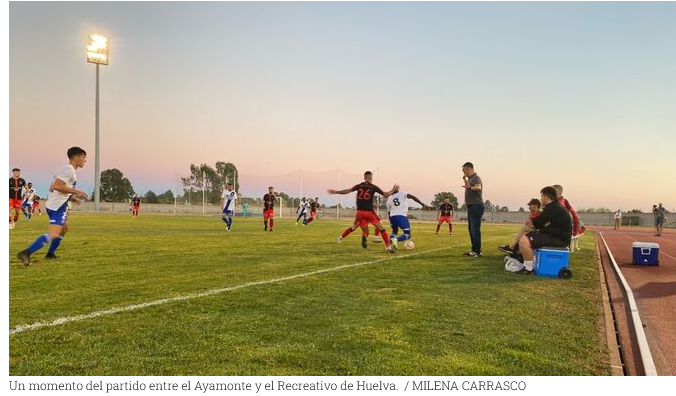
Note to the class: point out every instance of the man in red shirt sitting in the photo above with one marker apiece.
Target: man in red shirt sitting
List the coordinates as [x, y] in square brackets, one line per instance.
[534, 208]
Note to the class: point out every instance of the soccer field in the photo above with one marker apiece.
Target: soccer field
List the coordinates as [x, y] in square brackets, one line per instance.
[251, 302]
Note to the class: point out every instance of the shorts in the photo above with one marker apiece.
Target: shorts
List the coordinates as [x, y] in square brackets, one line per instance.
[539, 240]
[268, 214]
[26, 205]
[228, 212]
[15, 203]
[400, 222]
[313, 215]
[135, 207]
[364, 218]
[57, 217]
[446, 219]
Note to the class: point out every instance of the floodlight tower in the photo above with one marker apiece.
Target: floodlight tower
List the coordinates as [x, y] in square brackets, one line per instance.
[97, 53]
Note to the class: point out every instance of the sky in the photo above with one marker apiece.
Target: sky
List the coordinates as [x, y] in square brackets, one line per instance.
[534, 94]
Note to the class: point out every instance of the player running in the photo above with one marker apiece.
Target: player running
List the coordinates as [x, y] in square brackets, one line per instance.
[36, 205]
[397, 210]
[269, 207]
[228, 205]
[445, 214]
[27, 204]
[365, 214]
[303, 208]
[61, 192]
[135, 205]
[17, 187]
[314, 205]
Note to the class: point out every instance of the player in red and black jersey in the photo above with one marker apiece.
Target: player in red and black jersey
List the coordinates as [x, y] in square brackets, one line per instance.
[269, 207]
[135, 205]
[445, 214]
[314, 205]
[17, 187]
[365, 214]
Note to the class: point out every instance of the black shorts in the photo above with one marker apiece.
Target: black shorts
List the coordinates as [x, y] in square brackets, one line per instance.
[540, 240]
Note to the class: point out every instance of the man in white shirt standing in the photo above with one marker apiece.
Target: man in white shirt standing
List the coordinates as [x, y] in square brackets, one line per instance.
[61, 192]
[618, 219]
[228, 205]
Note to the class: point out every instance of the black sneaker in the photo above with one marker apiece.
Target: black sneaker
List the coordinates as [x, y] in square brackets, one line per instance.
[505, 249]
[363, 242]
[51, 256]
[524, 271]
[25, 257]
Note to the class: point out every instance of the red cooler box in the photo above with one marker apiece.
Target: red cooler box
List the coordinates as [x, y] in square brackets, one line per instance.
[646, 253]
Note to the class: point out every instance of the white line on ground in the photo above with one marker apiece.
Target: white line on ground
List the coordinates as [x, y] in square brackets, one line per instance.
[643, 346]
[212, 292]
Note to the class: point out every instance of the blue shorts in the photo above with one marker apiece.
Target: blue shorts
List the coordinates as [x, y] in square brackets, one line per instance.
[57, 217]
[659, 220]
[229, 212]
[397, 222]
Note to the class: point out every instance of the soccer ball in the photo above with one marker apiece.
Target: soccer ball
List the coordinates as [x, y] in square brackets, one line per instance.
[409, 245]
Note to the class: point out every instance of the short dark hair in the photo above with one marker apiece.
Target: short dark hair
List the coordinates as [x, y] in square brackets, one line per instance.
[75, 151]
[270, 187]
[468, 165]
[368, 173]
[550, 192]
[16, 170]
[535, 201]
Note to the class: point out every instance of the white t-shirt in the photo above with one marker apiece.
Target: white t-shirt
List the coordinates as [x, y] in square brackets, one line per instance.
[28, 198]
[303, 206]
[56, 199]
[397, 205]
[618, 215]
[229, 197]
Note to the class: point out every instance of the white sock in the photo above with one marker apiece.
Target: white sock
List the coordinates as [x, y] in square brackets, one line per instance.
[528, 264]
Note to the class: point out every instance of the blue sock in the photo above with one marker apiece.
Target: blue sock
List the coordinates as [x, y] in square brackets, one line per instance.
[298, 219]
[39, 243]
[229, 222]
[225, 219]
[403, 237]
[55, 244]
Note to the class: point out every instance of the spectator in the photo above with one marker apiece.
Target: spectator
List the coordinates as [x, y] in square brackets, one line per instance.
[569, 207]
[553, 229]
[475, 207]
[534, 208]
[660, 217]
[618, 218]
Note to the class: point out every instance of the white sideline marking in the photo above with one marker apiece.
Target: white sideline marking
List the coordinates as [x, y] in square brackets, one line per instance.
[643, 346]
[212, 292]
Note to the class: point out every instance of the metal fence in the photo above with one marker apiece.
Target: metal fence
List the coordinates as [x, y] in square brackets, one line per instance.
[633, 219]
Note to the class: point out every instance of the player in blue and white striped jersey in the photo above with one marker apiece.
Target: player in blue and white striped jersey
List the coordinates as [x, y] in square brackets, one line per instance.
[228, 205]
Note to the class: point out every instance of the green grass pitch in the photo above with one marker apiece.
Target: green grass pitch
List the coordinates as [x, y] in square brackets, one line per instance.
[433, 313]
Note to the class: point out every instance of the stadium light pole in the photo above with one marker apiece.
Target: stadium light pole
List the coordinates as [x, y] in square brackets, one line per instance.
[97, 53]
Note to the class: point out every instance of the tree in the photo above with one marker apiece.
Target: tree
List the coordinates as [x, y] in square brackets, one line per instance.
[440, 196]
[504, 209]
[488, 206]
[212, 181]
[114, 186]
[166, 197]
[151, 197]
[521, 210]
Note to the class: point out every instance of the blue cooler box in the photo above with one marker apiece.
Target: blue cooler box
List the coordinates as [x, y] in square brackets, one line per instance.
[552, 262]
[646, 253]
